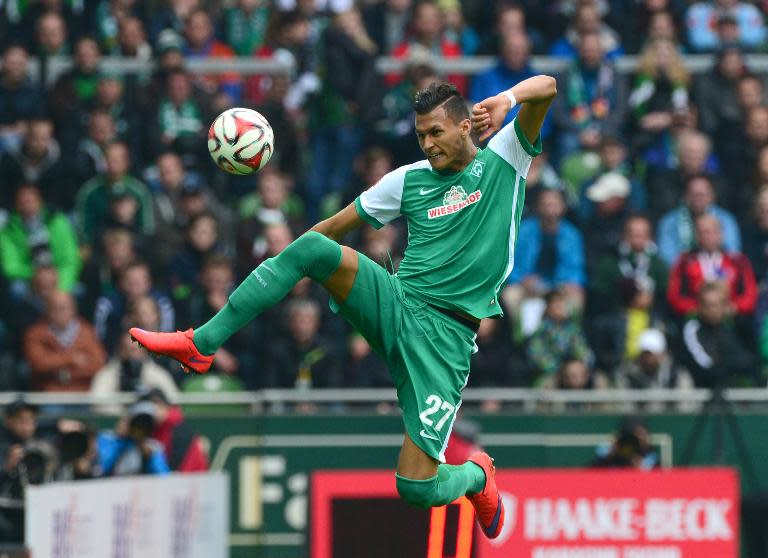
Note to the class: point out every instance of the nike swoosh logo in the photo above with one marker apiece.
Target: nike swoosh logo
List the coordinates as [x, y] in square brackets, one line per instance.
[196, 360]
[265, 266]
[424, 192]
[430, 436]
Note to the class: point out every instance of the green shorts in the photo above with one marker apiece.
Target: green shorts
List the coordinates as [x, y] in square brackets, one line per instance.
[427, 352]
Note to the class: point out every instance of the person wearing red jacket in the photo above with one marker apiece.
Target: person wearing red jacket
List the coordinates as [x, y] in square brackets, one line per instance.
[427, 35]
[184, 449]
[708, 263]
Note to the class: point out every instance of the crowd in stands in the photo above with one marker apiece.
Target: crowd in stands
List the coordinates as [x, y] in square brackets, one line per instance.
[643, 250]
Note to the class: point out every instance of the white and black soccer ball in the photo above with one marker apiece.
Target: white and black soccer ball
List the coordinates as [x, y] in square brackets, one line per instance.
[240, 141]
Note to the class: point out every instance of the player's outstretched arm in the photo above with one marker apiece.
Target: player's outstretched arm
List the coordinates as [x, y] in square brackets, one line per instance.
[338, 225]
[535, 95]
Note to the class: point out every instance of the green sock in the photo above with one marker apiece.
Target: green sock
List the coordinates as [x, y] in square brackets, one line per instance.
[311, 255]
[450, 483]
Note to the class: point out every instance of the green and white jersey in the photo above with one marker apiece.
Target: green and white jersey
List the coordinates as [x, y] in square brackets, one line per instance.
[462, 226]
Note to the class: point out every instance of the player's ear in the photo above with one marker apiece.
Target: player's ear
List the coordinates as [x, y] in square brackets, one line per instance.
[465, 127]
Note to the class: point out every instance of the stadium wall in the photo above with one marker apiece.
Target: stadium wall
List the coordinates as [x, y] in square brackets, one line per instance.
[270, 459]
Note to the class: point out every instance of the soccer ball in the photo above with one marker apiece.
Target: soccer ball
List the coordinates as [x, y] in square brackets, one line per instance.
[240, 141]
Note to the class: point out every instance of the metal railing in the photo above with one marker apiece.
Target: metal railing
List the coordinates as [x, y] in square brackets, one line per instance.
[522, 397]
[470, 65]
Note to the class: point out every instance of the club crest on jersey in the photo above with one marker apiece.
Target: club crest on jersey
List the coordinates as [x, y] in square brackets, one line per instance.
[454, 201]
[477, 169]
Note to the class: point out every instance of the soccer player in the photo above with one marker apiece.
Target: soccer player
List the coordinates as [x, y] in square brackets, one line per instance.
[463, 206]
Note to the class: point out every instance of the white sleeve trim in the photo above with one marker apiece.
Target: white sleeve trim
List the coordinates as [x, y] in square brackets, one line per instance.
[507, 145]
[383, 200]
[699, 354]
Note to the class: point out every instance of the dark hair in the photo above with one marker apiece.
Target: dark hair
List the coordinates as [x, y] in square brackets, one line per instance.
[441, 93]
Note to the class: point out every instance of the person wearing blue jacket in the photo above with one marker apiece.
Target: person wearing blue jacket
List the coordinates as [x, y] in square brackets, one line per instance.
[549, 255]
[130, 450]
[513, 67]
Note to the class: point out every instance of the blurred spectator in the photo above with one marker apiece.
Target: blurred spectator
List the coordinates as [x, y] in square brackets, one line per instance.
[603, 228]
[74, 89]
[168, 59]
[132, 40]
[20, 99]
[183, 448]
[96, 195]
[558, 338]
[716, 96]
[89, 157]
[62, 350]
[129, 369]
[386, 23]
[130, 448]
[714, 352]
[363, 368]
[289, 38]
[513, 67]
[27, 459]
[755, 234]
[171, 17]
[113, 254]
[346, 102]
[179, 121]
[704, 18]
[641, 22]
[109, 14]
[494, 364]
[245, 25]
[710, 262]
[426, 39]
[35, 236]
[135, 282]
[581, 176]
[287, 142]
[587, 20]
[30, 307]
[51, 35]
[273, 202]
[37, 161]
[575, 373]
[676, 232]
[202, 241]
[615, 335]
[591, 100]
[111, 97]
[550, 255]
[201, 42]
[396, 127]
[635, 257]
[652, 368]
[631, 447]
[457, 30]
[743, 157]
[304, 359]
[659, 93]
[217, 280]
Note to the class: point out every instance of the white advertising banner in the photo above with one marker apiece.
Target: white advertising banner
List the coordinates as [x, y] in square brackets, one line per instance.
[171, 516]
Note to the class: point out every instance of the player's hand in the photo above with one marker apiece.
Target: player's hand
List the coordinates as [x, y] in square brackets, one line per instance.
[488, 115]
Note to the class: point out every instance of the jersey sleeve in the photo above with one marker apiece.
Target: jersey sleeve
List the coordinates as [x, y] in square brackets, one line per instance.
[510, 144]
[380, 203]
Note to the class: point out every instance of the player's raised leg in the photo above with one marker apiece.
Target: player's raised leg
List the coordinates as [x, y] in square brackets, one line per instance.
[424, 482]
[314, 255]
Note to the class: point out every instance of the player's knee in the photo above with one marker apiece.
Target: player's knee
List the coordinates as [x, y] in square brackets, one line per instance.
[321, 255]
[418, 493]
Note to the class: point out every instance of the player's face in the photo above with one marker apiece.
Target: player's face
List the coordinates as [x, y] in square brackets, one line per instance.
[441, 139]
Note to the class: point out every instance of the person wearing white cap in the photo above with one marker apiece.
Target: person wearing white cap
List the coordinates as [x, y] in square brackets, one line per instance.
[653, 367]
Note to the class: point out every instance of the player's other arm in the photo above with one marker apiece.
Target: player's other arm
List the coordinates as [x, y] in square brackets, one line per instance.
[535, 95]
[338, 225]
